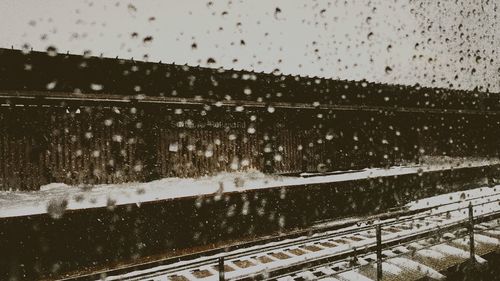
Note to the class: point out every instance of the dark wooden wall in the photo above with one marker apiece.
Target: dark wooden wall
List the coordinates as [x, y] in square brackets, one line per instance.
[93, 145]
[39, 145]
[367, 125]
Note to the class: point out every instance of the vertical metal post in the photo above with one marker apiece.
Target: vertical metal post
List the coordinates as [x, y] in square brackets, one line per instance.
[221, 269]
[379, 252]
[471, 234]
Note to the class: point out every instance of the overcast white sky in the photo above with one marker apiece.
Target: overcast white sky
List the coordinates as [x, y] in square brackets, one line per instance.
[434, 43]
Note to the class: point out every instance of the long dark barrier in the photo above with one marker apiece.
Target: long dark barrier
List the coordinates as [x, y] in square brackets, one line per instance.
[84, 119]
[93, 145]
[38, 246]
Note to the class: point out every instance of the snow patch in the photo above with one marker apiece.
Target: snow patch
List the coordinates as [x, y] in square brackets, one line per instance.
[85, 196]
[415, 266]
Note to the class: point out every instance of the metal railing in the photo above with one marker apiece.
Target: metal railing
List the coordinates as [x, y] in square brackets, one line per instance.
[470, 228]
[381, 245]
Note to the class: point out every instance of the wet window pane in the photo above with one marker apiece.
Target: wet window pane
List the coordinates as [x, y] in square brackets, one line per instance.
[274, 140]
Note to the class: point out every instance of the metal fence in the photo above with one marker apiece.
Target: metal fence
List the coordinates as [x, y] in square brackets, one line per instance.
[382, 245]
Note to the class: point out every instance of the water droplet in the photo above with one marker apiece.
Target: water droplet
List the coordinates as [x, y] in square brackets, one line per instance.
[52, 51]
[131, 8]
[245, 162]
[117, 138]
[277, 11]
[111, 204]
[138, 168]
[147, 39]
[209, 152]
[51, 85]
[322, 168]
[87, 54]
[240, 182]
[268, 148]
[108, 122]
[56, 207]
[234, 165]
[26, 49]
[96, 87]
[173, 147]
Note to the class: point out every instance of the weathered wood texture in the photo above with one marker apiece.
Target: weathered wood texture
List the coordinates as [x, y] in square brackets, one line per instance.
[93, 145]
[39, 145]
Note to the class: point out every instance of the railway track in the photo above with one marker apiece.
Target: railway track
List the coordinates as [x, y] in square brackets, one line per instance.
[420, 258]
[325, 252]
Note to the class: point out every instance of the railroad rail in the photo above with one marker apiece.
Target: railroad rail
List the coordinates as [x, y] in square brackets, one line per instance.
[69, 99]
[424, 257]
[296, 255]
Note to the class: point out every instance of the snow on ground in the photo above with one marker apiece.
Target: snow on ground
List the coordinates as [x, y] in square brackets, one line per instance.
[18, 203]
[415, 266]
[453, 251]
[453, 197]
